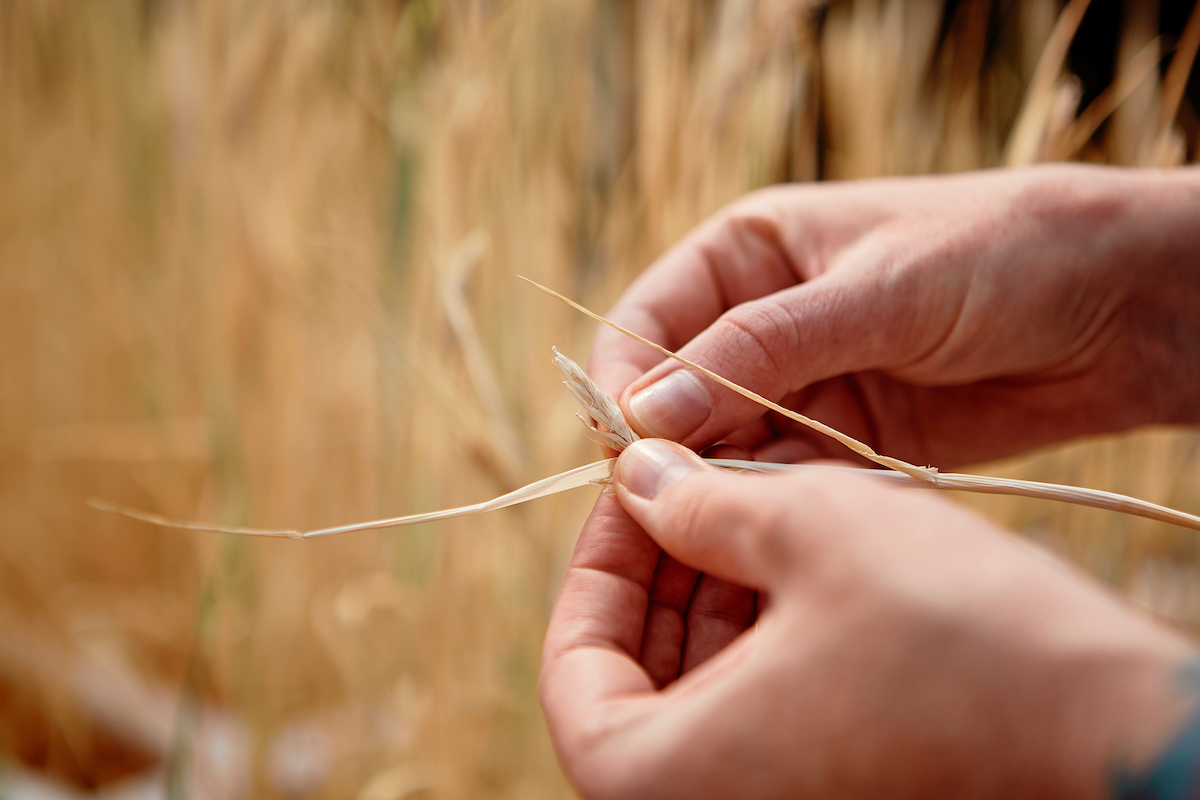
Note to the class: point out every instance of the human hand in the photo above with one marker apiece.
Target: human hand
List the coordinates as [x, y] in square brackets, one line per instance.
[909, 649]
[940, 320]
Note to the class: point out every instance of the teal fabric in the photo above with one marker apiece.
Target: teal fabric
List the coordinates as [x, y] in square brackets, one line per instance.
[1176, 774]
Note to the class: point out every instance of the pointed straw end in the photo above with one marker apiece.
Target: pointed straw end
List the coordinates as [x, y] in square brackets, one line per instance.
[166, 522]
[565, 299]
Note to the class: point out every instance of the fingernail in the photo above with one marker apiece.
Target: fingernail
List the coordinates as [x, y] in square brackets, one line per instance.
[673, 407]
[648, 467]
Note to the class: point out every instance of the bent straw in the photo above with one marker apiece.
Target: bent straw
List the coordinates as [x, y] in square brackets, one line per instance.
[925, 474]
[979, 484]
[167, 522]
[594, 473]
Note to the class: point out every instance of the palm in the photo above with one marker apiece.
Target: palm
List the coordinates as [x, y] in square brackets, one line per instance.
[666, 616]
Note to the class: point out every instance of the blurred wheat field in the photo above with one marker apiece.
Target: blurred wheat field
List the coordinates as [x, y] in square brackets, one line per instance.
[256, 267]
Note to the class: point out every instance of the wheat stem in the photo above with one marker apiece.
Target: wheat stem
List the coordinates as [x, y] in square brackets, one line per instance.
[980, 484]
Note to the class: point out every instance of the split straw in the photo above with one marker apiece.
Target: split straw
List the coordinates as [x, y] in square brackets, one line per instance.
[603, 416]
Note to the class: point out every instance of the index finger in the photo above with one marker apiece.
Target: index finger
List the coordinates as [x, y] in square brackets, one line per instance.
[735, 256]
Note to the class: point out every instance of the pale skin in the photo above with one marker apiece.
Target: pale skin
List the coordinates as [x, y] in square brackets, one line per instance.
[909, 648]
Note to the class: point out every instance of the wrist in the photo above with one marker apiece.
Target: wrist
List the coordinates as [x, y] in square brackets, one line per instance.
[1138, 233]
[1099, 690]
[1124, 718]
[1161, 257]
[1172, 767]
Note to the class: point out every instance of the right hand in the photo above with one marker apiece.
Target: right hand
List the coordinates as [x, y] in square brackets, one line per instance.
[909, 648]
[941, 320]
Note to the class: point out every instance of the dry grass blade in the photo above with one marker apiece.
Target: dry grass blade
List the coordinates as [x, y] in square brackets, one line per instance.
[1026, 142]
[981, 484]
[1129, 78]
[167, 522]
[590, 474]
[597, 472]
[505, 449]
[1175, 83]
[1093, 498]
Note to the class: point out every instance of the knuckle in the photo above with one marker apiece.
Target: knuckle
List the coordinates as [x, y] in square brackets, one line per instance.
[756, 337]
[749, 222]
[736, 508]
[752, 235]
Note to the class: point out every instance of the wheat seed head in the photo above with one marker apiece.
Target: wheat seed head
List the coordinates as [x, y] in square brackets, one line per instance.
[603, 415]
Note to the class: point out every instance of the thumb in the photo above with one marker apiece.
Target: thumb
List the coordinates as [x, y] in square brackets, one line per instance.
[776, 345]
[734, 527]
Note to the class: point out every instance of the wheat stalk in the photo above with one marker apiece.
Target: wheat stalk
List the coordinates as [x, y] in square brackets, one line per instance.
[603, 416]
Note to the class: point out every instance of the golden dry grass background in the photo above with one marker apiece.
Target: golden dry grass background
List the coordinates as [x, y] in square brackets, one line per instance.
[256, 267]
